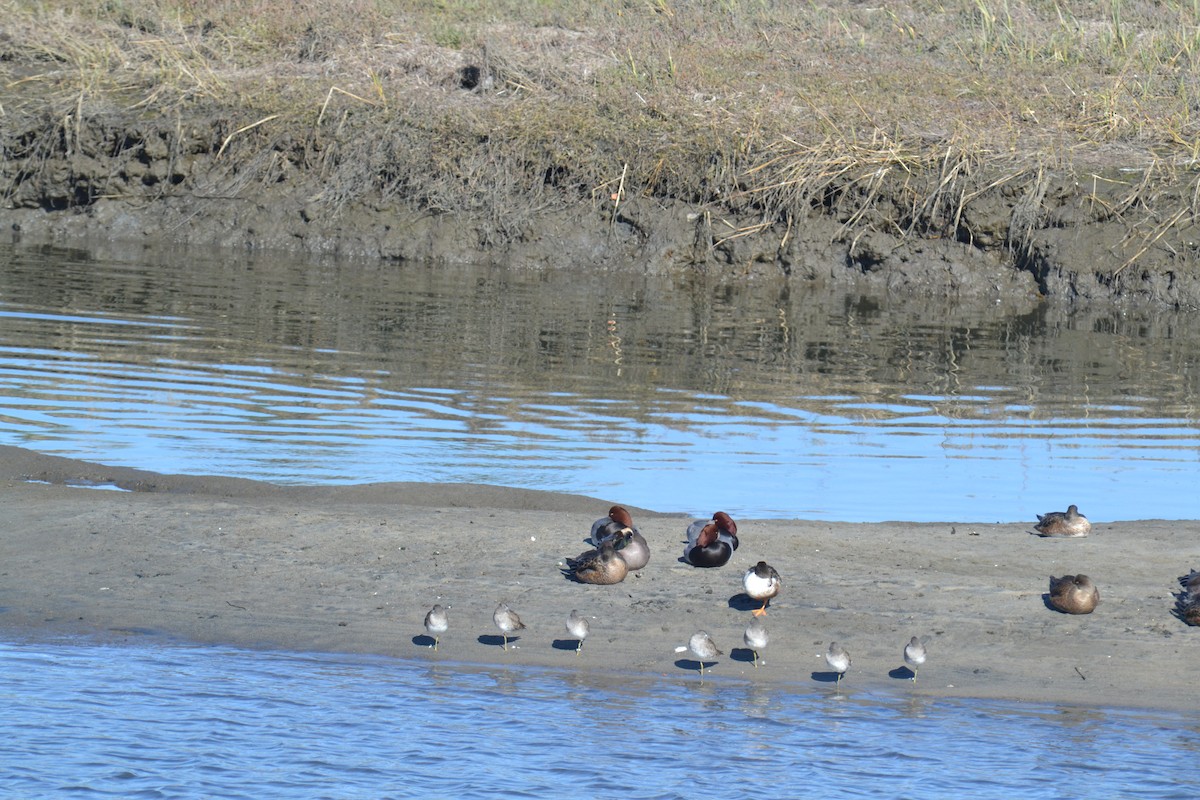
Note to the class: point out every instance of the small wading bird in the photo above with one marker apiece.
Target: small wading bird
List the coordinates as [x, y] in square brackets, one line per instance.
[1074, 594]
[756, 638]
[507, 621]
[762, 582]
[578, 627]
[838, 660]
[437, 623]
[914, 655]
[703, 648]
[1069, 523]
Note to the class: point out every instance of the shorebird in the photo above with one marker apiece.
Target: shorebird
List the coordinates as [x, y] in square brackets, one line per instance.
[711, 542]
[838, 660]
[703, 648]
[604, 565]
[756, 638]
[578, 627]
[762, 582]
[1074, 594]
[507, 621]
[636, 551]
[1068, 524]
[436, 623]
[914, 655]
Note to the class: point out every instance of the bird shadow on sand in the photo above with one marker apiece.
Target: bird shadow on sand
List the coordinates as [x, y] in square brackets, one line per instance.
[744, 602]
[565, 644]
[902, 674]
[743, 654]
[825, 677]
[421, 640]
[693, 665]
[493, 640]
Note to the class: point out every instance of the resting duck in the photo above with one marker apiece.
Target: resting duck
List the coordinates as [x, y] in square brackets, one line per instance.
[1073, 594]
[636, 551]
[710, 543]
[762, 582]
[1059, 523]
[1187, 603]
[603, 566]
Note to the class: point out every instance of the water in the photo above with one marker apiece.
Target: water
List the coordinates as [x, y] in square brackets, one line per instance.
[658, 392]
[83, 720]
[669, 393]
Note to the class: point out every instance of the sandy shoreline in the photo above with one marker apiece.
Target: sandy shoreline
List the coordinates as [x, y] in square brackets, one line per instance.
[354, 569]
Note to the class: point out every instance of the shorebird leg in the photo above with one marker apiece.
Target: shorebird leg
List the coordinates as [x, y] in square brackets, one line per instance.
[504, 636]
[579, 647]
[755, 658]
[761, 612]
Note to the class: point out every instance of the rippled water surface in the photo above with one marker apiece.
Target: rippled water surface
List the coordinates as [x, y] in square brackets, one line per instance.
[83, 720]
[768, 399]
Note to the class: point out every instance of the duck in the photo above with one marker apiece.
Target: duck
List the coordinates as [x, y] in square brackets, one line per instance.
[914, 655]
[1191, 581]
[762, 582]
[1188, 608]
[507, 621]
[1069, 523]
[1074, 594]
[618, 519]
[636, 551]
[710, 543]
[602, 566]
[1187, 603]
[437, 622]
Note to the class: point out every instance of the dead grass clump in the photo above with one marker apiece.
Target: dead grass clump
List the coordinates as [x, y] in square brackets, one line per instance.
[889, 116]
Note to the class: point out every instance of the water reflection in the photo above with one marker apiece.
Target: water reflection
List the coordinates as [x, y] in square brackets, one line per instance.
[768, 398]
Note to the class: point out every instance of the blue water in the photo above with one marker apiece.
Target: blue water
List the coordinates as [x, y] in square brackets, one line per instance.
[654, 392]
[137, 721]
[657, 392]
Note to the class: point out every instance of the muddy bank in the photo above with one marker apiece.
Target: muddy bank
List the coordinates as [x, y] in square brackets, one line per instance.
[1077, 237]
[354, 569]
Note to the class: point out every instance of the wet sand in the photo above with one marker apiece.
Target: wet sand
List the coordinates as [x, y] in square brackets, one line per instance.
[354, 569]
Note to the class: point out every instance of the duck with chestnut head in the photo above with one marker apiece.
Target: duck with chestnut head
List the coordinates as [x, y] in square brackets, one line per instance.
[711, 542]
[636, 551]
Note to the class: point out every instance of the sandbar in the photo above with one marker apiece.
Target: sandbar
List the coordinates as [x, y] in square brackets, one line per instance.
[353, 569]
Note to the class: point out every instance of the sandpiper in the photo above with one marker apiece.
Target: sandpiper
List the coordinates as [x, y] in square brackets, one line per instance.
[756, 638]
[578, 627]
[914, 655]
[703, 648]
[838, 660]
[507, 621]
[436, 623]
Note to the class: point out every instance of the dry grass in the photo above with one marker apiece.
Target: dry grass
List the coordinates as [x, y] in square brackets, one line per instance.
[767, 108]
